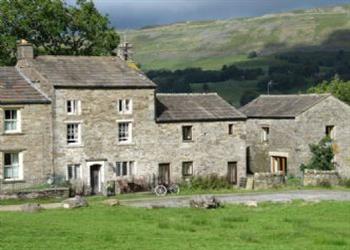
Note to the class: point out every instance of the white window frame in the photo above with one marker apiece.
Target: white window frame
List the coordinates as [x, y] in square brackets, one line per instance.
[265, 133]
[76, 175]
[75, 106]
[78, 123]
[332, 131]
[190, 165]
[129, 138]
[17, 120]
[130, 168]
[123, 104]
[20, 166]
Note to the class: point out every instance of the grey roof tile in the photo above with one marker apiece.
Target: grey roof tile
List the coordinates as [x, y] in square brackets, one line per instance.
[14, 89]
[194, 107]
[89, 71]
[281, 106]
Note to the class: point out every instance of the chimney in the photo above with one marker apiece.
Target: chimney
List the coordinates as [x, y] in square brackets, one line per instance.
[24, 50]
[124, 51]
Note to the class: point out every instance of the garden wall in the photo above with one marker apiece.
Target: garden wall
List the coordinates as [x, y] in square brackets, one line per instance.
[268, 180]
[33, 194]
[318, 177]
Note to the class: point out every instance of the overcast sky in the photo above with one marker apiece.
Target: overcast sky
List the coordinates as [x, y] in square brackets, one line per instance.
[139, 13]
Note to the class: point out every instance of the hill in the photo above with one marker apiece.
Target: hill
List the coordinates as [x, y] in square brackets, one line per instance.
[306, 36]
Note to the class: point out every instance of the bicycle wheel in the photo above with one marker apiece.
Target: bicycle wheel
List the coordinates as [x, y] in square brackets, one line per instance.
[174, 188]
[160, 190]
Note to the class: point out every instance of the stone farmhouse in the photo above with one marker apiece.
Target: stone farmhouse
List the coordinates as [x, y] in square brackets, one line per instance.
[96, 119]
[281, 127]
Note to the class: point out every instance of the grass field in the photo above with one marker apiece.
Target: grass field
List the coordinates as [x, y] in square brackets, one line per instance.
[211, 44]
[298, 225]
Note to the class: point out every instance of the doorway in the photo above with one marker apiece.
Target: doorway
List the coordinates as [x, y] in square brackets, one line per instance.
[164, 173]
[95, 178]
[232, 172]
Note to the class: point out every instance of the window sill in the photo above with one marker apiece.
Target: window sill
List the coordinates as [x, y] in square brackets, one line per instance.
[126, 143]
[12, 181]
[187, 141]
[12, 133]
[75, 146]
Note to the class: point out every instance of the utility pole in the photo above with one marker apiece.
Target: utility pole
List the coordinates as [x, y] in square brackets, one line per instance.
[269, 84]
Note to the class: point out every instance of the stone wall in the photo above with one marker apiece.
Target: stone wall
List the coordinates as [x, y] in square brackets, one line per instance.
[152, 143]
[34, 141]
[34, 194]
[268, 180]
[318, 178]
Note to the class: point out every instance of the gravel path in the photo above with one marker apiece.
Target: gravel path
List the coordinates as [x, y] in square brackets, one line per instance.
[306, 195]
[183, 201]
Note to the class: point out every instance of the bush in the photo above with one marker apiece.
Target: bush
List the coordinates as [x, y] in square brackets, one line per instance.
[322, 158]
[211, 182]
[345, 183]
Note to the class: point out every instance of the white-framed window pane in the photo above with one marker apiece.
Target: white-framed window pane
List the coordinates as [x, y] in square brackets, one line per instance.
[73, 172]
[11, 120]
[124, 131]
[125, 106]
[73, 133]
[73, 107]
[11, 168]
[125, 168]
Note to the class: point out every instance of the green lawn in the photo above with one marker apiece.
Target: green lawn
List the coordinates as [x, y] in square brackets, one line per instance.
[298, 225]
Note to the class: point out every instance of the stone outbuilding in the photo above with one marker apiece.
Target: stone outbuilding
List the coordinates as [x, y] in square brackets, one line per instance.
[281, 127]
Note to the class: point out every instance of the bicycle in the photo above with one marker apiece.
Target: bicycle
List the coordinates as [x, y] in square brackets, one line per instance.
[163, 189]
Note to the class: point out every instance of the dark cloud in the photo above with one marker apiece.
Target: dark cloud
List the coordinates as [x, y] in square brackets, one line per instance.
[139, 13]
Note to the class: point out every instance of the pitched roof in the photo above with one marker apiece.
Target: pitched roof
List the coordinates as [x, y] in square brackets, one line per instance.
[194, 107]
[281, 106]
[14, 89]
[89, 71]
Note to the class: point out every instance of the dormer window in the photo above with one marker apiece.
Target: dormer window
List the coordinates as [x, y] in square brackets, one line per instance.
[125, 106]
[73, 107]
[12, 121]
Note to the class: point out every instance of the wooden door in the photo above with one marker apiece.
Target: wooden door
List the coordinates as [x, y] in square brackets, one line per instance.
[232, 172]
[95, 178]
[164, 174]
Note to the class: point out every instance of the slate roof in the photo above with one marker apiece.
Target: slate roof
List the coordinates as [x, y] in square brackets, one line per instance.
[195, 107]
[281, 106]
[14, 89]
[90, 71]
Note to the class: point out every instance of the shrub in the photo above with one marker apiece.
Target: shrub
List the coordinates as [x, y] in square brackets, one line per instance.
[208, 182]
[345, 183]
[322, 156]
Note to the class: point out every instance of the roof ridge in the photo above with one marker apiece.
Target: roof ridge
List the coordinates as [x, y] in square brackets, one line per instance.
[187, 94]
[295, 95]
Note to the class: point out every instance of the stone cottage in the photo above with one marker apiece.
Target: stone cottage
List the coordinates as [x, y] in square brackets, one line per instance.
[281, 127]
[96, 119]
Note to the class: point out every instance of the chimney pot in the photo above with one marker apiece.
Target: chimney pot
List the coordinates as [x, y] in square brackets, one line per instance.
[24, 50]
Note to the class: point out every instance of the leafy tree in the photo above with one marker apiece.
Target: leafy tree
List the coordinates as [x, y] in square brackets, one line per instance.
[322, 158]
[336, 87]
[248, 96]
[54, 27]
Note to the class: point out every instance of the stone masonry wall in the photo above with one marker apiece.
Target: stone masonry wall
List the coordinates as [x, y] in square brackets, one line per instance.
[35, 141]
[152, 144]
[317, 178]
[311, 129]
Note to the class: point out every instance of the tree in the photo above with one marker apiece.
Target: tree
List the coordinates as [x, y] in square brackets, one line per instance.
[336, 87]
[322, 156]
[54, 27]
[248, 96]
[206, 88]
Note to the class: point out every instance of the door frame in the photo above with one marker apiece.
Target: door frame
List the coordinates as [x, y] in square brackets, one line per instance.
[235, 167]
[101, 174]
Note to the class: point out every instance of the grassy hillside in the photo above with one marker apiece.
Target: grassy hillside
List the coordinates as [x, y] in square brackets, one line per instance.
[210, 44]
